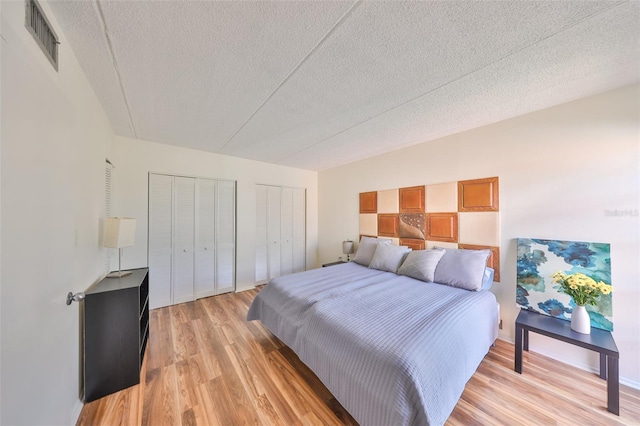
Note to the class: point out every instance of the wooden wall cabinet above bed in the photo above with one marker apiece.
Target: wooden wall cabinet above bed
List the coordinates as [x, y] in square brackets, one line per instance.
[442, 227]
[369, 202]
[478, 195]
[451, 214]
[412, 199]
[388, 225]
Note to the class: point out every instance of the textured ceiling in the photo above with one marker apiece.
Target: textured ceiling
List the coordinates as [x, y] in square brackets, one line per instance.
[315, 85]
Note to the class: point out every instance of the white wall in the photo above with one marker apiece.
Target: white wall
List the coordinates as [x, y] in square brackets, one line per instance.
[561, 171]
[54, 140]
[134, 159]
[55, 136]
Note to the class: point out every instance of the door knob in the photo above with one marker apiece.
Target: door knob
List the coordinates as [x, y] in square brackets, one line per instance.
[74, 297]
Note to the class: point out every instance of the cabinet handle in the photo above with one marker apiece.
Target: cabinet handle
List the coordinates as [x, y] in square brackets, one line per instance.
[184, 250]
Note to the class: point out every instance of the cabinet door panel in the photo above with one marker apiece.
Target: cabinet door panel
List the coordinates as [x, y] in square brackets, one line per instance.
[184, 237]
[191, 238]
[261, 235]
[226, 274]
[225, 237]
[205, 271]
[273, 230]
[281, 231]
[183, 277]
[205, 258]
[286, 232]
[160, 239]
[299, 230]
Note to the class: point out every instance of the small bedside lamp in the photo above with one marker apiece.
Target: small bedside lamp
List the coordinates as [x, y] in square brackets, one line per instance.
[119, 232]
[347, 248]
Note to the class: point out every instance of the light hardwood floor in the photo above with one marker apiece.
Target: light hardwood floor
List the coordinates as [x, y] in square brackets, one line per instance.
[206, 365]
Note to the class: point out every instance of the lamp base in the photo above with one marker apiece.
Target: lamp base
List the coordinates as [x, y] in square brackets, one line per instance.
[118, 274]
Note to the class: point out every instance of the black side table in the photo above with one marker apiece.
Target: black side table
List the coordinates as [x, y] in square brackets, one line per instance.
[599, 340]
[339, 262]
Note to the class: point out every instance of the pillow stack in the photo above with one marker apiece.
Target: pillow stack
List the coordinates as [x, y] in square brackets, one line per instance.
[461, 268]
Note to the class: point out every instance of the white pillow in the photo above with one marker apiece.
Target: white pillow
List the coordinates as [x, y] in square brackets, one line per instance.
[367, 248]
[421, 264]
[462, 268]
[388, 258]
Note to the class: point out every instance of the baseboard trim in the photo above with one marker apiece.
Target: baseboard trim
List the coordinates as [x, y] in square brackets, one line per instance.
[75, 413]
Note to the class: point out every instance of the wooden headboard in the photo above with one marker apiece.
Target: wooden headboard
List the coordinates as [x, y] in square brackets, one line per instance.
[463, 214]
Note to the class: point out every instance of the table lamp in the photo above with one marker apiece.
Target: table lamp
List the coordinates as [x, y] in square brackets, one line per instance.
[347, 248]
[119, 232]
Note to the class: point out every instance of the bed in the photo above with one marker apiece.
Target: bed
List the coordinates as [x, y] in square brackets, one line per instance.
[392, 349]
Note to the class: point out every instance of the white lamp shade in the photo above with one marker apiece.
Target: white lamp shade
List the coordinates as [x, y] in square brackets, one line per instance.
[347, 247]
[119, 232]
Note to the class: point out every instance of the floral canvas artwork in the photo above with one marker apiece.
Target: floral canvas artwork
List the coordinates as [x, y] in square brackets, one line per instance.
[538, 260]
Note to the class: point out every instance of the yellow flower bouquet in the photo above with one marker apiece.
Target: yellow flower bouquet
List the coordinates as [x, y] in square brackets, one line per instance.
[583, 289]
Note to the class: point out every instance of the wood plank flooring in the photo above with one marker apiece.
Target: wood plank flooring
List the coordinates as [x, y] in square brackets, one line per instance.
[206, 365]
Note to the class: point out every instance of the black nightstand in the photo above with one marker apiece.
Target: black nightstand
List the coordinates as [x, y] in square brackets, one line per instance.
[599, 340]
[333, 263]
[116, 330]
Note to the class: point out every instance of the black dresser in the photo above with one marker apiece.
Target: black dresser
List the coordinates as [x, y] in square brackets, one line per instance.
[116, 330]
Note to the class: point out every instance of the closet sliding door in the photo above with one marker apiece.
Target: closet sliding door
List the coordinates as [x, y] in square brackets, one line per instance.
[280, 231]
[191, 238]
[274, 199]
[225, 237]
[205, 264]
[299, 229]
[184, 240]
[286, 232]
[262, 239]
[160, 240]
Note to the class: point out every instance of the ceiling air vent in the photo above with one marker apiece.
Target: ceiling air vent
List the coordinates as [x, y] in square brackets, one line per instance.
[39, 26]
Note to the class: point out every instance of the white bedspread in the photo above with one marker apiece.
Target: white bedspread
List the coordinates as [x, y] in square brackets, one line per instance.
[392, 350]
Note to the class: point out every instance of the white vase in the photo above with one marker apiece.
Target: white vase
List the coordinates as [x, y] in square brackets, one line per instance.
[580, 321]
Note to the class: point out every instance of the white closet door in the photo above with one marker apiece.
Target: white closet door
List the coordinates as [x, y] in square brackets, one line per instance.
[205, 256]
[286, 232]
[273, 229]
[225, 237]
[299, 230]
[262, 242]
[280, 231]
[160, 239]
[184, 239]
